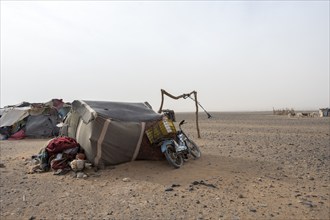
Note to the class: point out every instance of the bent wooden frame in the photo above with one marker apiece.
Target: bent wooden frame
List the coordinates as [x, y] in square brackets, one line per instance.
[178, 97]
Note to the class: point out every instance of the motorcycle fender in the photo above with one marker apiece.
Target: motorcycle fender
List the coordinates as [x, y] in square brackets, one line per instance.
[164, 144]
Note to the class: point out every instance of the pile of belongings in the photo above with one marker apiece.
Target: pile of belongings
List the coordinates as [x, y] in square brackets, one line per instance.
[61, 155]
[32, 119]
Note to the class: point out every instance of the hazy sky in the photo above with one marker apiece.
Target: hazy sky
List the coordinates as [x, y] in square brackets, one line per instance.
[241, 55]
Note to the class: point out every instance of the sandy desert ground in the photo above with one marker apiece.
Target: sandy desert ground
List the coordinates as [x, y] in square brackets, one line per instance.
[253, 166]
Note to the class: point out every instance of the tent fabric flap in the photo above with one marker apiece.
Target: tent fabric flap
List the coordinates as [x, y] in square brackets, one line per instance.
[41, 126]
[122, 111]
[86, 113]
[13, 116]
[114, 142]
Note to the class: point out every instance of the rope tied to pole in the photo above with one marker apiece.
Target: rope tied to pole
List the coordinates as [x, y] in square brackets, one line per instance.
[188, 95]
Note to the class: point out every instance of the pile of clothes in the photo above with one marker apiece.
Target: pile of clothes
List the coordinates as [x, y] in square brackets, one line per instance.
[61, 155]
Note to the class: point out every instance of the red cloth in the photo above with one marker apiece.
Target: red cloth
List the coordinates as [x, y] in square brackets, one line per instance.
[18, 135]
[59, 144]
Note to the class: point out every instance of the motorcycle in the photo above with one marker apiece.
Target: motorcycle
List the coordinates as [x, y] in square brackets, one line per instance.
[177, 151]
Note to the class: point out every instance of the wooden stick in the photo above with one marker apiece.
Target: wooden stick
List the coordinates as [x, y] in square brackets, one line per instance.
[198, 133]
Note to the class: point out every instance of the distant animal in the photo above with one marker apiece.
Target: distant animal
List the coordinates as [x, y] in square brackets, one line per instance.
[303, 114]
[314, 114]
[291, 114]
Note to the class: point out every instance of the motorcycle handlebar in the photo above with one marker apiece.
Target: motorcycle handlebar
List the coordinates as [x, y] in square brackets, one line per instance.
[181, 123]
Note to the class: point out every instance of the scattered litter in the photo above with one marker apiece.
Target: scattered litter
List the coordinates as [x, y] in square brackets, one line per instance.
[126, 179]
[307, 203]
[77, 165]
[203, 183]
[88, 165]
[310, 178]
[81, 175]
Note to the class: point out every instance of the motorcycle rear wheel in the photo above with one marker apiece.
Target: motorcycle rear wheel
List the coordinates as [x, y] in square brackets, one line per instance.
[193, 149]
[172, 157]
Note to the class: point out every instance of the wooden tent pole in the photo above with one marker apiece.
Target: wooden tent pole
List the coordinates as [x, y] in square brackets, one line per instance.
[196, 102]
[161, 104]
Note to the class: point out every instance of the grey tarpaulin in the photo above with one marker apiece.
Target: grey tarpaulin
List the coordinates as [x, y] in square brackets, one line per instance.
[13, 115]
[109, 132]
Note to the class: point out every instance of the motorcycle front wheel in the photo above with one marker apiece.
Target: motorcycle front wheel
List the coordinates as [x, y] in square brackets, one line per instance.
[172, 157]
[193, 148]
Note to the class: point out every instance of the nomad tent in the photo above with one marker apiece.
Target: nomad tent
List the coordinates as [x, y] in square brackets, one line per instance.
[32, 119]
[112, 132]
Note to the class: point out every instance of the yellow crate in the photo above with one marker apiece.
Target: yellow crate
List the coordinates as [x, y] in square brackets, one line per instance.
[160, 130]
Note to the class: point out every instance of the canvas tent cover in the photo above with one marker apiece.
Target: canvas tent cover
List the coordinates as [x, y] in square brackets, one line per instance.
[109, 132]
[14, 115]
[32, 119]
